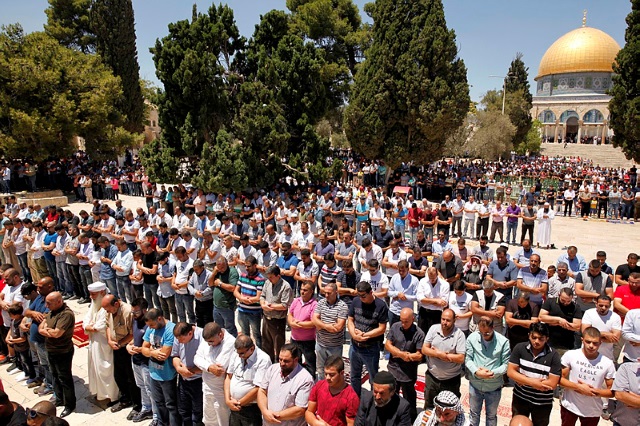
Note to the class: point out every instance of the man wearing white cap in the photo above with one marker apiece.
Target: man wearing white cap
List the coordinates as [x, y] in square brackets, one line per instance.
[100, 367]
[545, 216]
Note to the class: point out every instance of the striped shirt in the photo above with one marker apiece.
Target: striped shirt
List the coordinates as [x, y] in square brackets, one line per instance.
[330, 314]
[537, 367]
[250, 286]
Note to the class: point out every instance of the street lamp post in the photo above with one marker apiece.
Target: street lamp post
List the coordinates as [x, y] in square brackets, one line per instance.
[504, 87]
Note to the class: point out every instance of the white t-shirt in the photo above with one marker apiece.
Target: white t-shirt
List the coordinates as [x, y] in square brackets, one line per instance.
[183, 272]
[394, 258]
[12, 294]
[460, 305]
[607, 323]
[377, 281]
[590, 371]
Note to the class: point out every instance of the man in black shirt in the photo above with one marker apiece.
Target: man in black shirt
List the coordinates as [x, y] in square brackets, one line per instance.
[367, 322]
[520, 314]
[564, 318]
[383, 237]
[624, 271]
[148, 265]
[444, 217]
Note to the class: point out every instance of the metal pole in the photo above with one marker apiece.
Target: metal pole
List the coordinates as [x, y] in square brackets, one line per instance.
[504, 93]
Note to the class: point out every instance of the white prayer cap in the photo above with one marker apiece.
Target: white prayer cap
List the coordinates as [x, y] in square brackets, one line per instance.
[96, 287]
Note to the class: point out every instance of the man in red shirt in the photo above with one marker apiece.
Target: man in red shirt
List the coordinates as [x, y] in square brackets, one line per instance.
[627, 297]
[332, 401]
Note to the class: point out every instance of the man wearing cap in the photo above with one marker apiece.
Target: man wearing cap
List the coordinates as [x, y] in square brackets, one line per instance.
[101, 366]
[382, 405]
[447, 412]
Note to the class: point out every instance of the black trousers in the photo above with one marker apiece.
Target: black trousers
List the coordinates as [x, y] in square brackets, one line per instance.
[63, 388]
[568, 205]
[204, 312]
[190, 401]
[309, 354]
[482, 227]
[123, 375]
[247, 416]
[433, 386]
[539, 413]
[409, 393]
[427, 318]
[527, 227]
[273, 336]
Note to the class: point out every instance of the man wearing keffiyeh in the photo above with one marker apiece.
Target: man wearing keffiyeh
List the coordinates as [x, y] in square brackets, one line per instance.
[447, 412]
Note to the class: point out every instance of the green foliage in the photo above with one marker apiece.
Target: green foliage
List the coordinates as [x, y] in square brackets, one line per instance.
[50, 94]
[194, 63]
[625, 102]
[223, 165]
[532, 141]
[113, 24]
[493, 135]
[159, 161]
[411, 92]
[518, 89]
[69, 22]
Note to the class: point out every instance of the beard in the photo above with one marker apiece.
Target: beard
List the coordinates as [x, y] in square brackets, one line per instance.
[475, 268]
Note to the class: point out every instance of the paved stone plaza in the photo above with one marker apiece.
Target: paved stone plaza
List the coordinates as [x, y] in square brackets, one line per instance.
[616, 239]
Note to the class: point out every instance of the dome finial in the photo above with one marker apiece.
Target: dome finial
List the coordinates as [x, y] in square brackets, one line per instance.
[584, 18]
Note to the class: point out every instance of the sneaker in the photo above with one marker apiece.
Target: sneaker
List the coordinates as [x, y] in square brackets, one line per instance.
[132, 414]
[66, 297]
[142, 416]
[12, 367]
[34, 383]
[21, 377]
[120, 406]
[606, 415]
[74, 297]
[154, 423]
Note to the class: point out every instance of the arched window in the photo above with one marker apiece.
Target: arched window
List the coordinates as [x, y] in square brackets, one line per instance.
[593, 116]
[567, 114]
[547, 116]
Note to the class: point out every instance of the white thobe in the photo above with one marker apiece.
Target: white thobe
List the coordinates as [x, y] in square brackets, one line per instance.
[544, 226]
[100, 367]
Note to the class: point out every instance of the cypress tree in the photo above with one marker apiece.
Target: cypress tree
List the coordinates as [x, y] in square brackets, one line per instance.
[520, 109]
[624, 105]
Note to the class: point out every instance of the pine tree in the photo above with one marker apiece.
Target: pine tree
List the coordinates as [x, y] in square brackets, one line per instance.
[113, 23]
[69, 22]
[411, 92]
[624, 105]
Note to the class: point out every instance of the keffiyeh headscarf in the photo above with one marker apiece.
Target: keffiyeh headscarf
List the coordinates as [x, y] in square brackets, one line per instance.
[447, 400]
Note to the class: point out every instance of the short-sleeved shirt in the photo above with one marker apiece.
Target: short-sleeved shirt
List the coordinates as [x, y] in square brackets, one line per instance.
[454, 343]
[411, 341]
[302, 311]
[507, 273]
[37, 305]
[538, 367]
[161, 371]
[285, 264]
[561, 337]
[625, 271]
[187, 351]
[593, 372]
[334, 409]
[247, 375]
[533, 281]
[221, 297]
[63, 319]
[249, 286]
[449, 269]
[367, 317]
[330, 314]
[627, 298]
[518, 333]
[627, 380]
[287, 392]
[607, 323]
[460, 305]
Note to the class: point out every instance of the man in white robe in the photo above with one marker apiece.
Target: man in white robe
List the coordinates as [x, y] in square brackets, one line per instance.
[545, 216]
[213, 356]
[100, 367]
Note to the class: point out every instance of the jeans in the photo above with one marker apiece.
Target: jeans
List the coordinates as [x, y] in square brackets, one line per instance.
[22, 260]
[184, 306]
[25, 363]
[614, 210]
[124, 287]
[63, 387]
[204, 312]
[143, 380]
[456, 224]
[413, 234]
[250, 325]
[322, 353]
[491, 401]
[190, 401]
[165, 394]
[496, 226]
[63, 278]
[370, 357]
[512, 229]
[86, 278]
[44, 372]
[168, 308]
[137, 290]
[400, 229]
[111, 285]
[626, 210]
[51, 267]
[151, 294]
[225, 318]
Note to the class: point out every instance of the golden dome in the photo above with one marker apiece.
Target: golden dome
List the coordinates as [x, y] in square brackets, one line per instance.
[581, 50]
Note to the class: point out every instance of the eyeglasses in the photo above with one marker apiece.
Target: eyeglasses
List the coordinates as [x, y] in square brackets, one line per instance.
[32, 414]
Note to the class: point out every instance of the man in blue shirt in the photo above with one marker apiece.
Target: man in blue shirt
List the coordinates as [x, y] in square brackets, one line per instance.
[575, 261]
[107, 275]
[288, 264]
[157, 346]
[37, 311]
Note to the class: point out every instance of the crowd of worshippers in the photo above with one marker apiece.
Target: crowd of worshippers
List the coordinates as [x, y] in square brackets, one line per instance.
[168, 292]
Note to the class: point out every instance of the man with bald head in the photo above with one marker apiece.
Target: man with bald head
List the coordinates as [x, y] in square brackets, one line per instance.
[119, 334]
[40, 412]
[404, 344]
[57, 329]
[36, 312]
[449, 267]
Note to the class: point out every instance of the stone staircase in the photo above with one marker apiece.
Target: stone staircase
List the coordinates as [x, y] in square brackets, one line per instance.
[603, 155]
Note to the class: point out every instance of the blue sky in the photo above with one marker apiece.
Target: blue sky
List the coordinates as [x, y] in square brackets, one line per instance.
[489, 32]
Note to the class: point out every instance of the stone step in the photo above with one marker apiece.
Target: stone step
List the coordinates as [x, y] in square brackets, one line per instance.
[602, 155]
